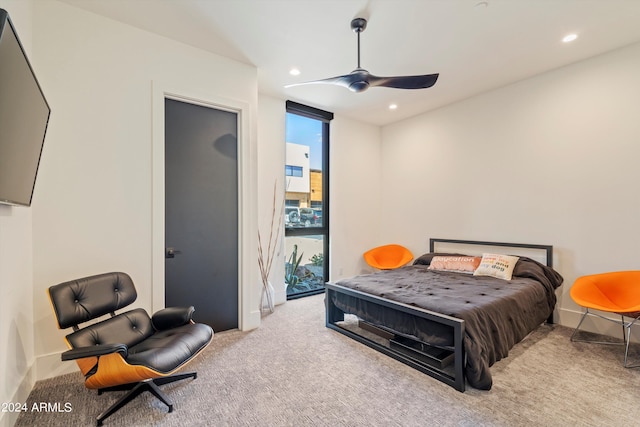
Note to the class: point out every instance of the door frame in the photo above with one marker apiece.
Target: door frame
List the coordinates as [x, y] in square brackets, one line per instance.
[248, 289]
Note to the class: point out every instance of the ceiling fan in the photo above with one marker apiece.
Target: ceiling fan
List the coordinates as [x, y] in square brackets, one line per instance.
[360, 79]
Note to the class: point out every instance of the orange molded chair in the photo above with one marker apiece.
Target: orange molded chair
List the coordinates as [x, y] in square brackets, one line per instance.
[388, 257]
[616, 292]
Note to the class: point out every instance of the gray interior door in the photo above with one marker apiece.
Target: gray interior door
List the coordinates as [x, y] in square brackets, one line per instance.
[201, 212]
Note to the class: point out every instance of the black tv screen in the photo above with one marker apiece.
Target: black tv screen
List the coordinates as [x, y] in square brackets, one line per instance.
[24, 115]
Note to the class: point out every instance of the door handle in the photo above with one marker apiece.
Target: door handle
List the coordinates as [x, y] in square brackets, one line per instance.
[171, 252]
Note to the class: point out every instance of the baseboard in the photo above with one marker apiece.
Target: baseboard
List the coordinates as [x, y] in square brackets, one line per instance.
[280, 296]
[571, 318]
[50, 365]
[8, 419]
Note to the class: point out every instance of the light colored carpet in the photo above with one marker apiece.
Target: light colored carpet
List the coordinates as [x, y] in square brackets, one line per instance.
[293, 371]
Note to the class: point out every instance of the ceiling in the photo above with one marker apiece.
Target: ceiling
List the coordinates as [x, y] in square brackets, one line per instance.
[475, 45]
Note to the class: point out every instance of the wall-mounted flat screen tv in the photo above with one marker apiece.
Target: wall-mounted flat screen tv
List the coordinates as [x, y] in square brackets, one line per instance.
[24, 115]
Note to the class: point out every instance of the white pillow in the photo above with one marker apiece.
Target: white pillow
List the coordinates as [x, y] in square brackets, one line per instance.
[496, 265]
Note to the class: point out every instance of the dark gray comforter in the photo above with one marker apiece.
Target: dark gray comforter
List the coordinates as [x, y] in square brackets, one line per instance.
[497, 313]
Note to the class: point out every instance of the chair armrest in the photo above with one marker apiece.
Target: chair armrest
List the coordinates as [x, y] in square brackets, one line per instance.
[172, 317]
[95, 350]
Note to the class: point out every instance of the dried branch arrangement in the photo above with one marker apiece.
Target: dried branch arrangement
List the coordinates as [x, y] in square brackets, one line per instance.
[265, 262]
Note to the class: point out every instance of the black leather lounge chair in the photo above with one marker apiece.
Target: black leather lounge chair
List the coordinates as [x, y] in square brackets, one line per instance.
[130, 350]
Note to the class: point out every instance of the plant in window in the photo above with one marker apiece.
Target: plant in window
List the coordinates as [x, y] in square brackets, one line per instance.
[317, 260]
[291, 268]
[297, 277]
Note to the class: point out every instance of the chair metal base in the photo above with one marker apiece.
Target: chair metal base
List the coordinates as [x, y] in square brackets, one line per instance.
[150, 385]
[626, 334]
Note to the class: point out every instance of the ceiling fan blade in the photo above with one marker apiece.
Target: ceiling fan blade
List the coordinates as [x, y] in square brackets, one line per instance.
[360, 79]
[339, 80]
[355, 81]
[404, 82]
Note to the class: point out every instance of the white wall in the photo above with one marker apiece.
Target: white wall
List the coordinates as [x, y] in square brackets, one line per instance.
[356, 195]
[92, 209]
[549, 160]
[16, 263]
[271, 160]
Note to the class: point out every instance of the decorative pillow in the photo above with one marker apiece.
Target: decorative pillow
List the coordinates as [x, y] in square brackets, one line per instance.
[496, 265]
[460, 264]
[426, 258]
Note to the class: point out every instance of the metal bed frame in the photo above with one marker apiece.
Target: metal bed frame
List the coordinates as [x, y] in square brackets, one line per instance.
[452, 377]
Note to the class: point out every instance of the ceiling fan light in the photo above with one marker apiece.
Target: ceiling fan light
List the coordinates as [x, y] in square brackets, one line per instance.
[359, 86]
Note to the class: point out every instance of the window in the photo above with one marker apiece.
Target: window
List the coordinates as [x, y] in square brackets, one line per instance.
[293, 171]
[307, 200]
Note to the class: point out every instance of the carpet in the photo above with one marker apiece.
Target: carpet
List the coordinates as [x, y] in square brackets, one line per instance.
[293, 371]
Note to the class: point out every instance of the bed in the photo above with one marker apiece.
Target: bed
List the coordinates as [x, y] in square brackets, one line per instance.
[449, 325]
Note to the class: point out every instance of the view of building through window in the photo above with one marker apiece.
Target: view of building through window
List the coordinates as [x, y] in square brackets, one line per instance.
[306, 232]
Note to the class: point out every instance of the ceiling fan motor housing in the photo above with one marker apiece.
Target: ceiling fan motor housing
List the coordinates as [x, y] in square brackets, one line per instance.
[358, 80]
[358, 25]
[359, 86]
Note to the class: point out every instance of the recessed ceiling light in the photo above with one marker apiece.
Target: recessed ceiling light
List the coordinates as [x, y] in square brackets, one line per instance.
[393, 106]
[294, 72]
[569, 38]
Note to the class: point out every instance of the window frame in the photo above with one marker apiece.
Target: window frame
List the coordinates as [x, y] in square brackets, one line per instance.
[325, 117]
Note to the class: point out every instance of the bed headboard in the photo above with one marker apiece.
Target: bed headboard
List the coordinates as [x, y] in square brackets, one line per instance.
[540, 253]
